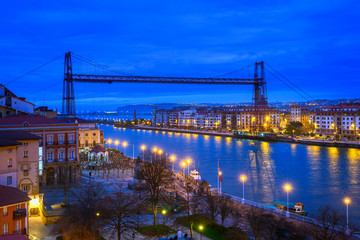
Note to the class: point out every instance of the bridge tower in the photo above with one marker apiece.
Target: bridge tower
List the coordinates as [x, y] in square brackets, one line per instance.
[260, 93]
[68, 105]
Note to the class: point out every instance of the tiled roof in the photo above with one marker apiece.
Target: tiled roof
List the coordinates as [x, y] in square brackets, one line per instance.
[72, 120]
[14, 236]
[30, 119]
[10, 195]
[7, 142]
[17, 135]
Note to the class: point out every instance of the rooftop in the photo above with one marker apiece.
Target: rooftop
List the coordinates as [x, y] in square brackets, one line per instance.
[25, 118]
[10, 195]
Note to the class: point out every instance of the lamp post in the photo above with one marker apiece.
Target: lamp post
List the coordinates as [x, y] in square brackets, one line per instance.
[155, 150]
[287, 188]
[109, 142]
[183, 164]
[160, 152]
[116, 144]
[172, 158]
[133, 152]
[201, 228]
[124, 145]
[347, 202]
[188, 161]
[143, 147]
[243, 179]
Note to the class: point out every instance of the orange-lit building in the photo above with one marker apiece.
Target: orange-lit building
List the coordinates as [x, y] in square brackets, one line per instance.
[14, 211]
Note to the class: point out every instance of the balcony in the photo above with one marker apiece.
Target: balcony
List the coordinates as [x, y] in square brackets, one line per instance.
[19, 213]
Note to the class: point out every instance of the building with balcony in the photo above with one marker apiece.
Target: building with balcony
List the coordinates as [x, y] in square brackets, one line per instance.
[14, 211]
[342, 120]
[58, 146]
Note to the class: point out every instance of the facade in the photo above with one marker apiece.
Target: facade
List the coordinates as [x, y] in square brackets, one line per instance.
[90, 135]
[342, 120]
[14, 211]
[46, 112]
[295, 111]
[11, 104]
[58, 146]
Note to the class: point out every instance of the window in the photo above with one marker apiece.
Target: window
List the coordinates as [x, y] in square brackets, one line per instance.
[18, 207]
[26, 188]
[26, 144]
[10, 162]
[5, 228]
[9, 180]
[50, 139]
[71, 155]
[61, 139]
[86, 134]
[50, 156]
[26, 153]
[71, 139]
[5, 211]
[9, 150]
[18, 226]
[94, 134]
[61, 155]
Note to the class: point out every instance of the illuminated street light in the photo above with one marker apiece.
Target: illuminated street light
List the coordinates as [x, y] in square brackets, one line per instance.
[243, 179]
[109, 142]
[201, 228]
[143, 147]
[347, 202]
[183, 164]
[188, 161]
[172, 158]
[116, 144]
[124, 145]
[287, 188]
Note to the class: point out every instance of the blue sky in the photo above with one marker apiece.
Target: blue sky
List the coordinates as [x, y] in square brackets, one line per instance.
[315, 44]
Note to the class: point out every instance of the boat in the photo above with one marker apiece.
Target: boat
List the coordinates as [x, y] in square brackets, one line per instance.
[195, 174]
[297, 208]
[256, 136]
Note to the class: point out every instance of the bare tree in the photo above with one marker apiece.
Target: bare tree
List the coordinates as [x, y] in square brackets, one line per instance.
[329, 224]
[81, 219]
[156, 176]
[119, 214]
[225, 208]
[211, 205]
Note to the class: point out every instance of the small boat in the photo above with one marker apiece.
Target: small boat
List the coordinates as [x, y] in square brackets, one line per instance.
[297, 208]
[195, 174]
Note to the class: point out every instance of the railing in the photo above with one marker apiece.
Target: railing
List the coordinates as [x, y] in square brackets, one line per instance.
[19, 213]
[280, 212]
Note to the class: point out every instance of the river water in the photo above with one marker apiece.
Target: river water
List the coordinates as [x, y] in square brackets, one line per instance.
[319, 176]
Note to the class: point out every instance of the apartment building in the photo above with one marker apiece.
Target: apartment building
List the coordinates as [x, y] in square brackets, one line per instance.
[90, 135]
[342, 120]
[10, 104]
[58, 146]
[14, 212]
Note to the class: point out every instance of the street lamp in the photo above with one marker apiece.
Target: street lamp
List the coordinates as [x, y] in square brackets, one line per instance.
[109, 142]
[347, 202]
[143, 147]
[116, 144]
[201, 228]
[172, 158]
[287, 188]
[124, 144]
[155, 150]
[243, 179]
[188, 161]
[183, 164]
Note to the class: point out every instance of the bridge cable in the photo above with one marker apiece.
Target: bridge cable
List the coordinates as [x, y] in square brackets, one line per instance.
[83, 59]
[33, 70]
[234, 71]
[289, 81]
[287, 84]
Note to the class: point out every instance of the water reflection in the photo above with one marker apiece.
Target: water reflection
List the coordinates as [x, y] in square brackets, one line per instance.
[320, 176]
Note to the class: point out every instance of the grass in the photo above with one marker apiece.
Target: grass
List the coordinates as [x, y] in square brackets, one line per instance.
[211, 229]
[157, 231]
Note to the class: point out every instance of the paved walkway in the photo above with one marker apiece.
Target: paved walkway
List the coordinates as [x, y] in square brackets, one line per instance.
[37, 230]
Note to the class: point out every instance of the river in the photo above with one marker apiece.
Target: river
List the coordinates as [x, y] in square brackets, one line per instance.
[319, 176]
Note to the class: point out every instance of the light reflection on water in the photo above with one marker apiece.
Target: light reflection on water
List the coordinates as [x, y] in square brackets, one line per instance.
[320, 176]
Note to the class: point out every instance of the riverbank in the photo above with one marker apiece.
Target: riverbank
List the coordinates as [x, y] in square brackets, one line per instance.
[304, 141]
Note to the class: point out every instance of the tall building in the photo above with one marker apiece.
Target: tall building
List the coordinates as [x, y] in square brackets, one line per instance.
[58, 146]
